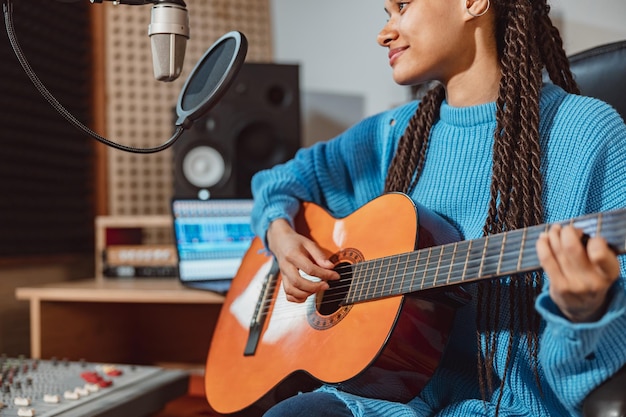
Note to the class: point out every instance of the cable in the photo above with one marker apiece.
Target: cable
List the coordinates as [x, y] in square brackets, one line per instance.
[8, 18]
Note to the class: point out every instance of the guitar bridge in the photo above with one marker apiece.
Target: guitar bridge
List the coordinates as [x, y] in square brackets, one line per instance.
[261, 311]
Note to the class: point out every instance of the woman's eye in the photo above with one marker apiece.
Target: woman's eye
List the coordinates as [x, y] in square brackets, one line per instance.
[402, 5]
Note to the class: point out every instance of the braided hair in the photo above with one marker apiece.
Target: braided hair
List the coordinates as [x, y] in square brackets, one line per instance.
[528, 43]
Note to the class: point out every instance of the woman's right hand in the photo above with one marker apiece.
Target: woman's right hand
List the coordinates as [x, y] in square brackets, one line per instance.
[295, 254]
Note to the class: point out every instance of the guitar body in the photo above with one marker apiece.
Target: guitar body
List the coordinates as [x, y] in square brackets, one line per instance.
[386, 348]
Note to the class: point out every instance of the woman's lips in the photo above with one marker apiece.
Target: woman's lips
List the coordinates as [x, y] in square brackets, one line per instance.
[395, 53]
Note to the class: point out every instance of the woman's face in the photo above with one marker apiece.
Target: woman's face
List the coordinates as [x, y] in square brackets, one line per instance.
[426, 39]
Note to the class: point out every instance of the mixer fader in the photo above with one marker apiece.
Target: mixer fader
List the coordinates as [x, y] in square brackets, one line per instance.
[31, 387]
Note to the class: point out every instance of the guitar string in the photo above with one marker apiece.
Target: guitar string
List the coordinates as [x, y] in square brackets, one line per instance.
[431, 270]
[428, 271]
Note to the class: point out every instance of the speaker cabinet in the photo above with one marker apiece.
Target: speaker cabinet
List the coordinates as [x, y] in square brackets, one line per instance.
[255, 126]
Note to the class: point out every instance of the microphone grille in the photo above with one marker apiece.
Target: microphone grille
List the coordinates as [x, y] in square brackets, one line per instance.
[168, 54]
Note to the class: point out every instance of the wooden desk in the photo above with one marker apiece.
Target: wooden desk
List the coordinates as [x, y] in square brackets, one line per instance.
[140, 321]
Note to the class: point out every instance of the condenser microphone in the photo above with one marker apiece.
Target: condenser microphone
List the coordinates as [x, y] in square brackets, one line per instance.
[168, 31]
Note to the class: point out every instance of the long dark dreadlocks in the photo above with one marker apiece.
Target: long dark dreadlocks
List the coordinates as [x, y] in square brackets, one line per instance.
[528, 42]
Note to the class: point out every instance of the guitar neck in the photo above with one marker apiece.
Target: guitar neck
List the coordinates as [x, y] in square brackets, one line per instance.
[470, 260]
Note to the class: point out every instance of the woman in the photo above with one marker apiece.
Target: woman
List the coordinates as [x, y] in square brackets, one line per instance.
[490, 149]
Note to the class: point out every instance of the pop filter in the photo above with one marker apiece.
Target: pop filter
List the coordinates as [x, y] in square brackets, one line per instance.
[211, 77]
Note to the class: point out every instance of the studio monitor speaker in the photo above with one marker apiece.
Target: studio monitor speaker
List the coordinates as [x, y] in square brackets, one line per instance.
[255, 126]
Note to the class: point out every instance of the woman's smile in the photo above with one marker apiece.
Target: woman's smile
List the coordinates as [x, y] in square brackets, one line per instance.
[395, 53]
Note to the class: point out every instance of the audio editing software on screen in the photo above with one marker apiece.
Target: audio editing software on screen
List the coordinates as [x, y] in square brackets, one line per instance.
[212, 237]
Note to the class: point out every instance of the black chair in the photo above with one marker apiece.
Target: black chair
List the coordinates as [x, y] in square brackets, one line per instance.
[601, 73]
[609, 399]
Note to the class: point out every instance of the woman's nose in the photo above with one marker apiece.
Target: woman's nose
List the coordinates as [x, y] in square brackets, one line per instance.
[387, 34]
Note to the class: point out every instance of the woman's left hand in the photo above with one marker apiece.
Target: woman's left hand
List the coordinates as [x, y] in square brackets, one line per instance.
[580, 275]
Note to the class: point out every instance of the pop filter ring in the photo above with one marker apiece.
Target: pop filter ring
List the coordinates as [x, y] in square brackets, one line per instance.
[240, 48]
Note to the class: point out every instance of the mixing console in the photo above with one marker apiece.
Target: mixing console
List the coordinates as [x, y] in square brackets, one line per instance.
[30, 387]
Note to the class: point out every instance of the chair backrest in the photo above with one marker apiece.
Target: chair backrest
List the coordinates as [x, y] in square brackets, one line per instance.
[601, 73]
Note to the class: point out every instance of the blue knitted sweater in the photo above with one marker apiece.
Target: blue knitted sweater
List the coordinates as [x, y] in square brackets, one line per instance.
[584, 168]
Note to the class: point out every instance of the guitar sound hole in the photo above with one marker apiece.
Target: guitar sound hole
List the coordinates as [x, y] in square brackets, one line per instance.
[334, 297]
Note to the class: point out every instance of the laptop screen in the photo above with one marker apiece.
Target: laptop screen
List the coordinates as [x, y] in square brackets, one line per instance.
[211, 237]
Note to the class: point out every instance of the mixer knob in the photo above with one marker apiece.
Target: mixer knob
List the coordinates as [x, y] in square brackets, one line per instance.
[51, 398]
[22, 401]
[26, 412]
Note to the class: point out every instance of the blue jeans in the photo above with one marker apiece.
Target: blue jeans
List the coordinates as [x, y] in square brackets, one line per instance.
[310, 404]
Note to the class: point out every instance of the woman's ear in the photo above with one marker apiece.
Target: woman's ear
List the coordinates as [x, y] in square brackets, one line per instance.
[476, 8]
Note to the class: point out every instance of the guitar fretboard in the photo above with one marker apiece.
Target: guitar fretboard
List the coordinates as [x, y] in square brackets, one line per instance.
[470, 260]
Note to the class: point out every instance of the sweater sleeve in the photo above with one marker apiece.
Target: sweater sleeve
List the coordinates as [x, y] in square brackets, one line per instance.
[340, 175]
[577, 357]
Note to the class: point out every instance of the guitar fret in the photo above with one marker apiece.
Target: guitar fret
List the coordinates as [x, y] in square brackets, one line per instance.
[510, 256]
[501, 256]
[407, 257]
[430, 250]
[393, 289]
[372, 292]
[493, 248]
[474, 262]
[408, 285]
[445, 256]
[467, 258]
[436, 272]
[365, 283]
[350, 296]
[379, 286]
[386, 285]
[521, 253]
[482, 258]
[456, 245]
[365, 276]
[528, 253]
[458, 262]
[378, 289]
[356, 279]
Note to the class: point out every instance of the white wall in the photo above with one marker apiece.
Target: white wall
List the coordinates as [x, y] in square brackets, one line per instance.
[585, 23]
[335, 42]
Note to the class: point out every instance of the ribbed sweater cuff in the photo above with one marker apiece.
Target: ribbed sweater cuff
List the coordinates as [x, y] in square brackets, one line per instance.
[579, 340]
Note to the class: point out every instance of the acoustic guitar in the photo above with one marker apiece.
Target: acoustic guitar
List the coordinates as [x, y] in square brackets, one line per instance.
[379, 330]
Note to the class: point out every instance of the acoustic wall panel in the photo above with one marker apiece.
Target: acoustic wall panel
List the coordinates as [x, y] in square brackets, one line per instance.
[140, 109]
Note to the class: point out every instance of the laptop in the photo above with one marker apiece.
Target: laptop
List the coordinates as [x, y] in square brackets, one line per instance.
[211, 238]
